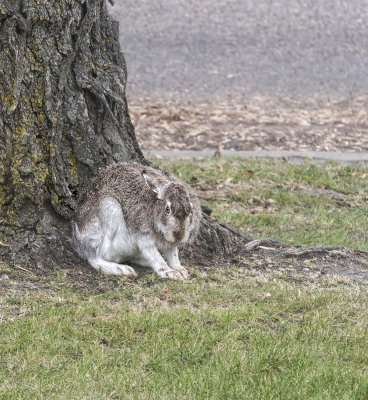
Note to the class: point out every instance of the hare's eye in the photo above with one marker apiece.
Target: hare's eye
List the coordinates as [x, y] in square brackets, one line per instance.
[167, 209]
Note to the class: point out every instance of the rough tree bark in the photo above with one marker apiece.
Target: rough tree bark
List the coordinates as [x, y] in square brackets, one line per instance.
[64, 117]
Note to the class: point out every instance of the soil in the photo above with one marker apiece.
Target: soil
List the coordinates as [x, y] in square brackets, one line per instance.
[322, 266]
[314, 261]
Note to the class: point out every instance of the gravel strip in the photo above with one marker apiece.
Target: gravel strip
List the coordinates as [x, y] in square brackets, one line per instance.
[290, 156]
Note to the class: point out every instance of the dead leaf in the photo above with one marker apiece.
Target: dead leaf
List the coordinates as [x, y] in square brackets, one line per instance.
[256, 210]
[360, 174]
[164, 295]
[255, 200]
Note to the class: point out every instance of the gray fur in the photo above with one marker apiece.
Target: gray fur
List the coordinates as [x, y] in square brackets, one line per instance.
[133, 213]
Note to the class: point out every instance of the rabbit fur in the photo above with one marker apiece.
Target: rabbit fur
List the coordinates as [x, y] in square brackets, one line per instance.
[136, 214]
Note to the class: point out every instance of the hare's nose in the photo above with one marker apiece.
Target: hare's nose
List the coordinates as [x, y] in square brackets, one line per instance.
[181, 214]
[179, 235]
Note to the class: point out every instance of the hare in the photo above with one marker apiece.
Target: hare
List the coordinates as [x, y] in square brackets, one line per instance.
[136, 214]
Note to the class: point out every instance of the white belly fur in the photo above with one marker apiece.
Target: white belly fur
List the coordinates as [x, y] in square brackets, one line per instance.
[121, 246]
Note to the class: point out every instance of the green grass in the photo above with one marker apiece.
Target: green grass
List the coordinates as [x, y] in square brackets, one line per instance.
[222, 335]
[227, 333]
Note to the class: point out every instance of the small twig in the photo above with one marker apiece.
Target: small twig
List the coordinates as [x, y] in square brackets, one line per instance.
[4, 244]
[26, 270]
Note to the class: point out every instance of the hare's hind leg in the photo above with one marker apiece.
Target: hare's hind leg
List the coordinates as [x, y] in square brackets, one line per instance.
[111, 268]
[107, 254]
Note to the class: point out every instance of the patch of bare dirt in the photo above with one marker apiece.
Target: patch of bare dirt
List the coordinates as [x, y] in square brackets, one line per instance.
[258, 123]
[272, 256]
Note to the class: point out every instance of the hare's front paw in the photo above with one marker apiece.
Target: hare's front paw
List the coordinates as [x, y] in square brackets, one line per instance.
[183, 272]
[168, 273]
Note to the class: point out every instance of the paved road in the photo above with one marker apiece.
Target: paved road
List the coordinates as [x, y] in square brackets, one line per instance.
[245, 47]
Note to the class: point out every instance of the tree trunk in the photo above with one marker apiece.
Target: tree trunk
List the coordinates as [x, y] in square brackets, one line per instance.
[63, 118]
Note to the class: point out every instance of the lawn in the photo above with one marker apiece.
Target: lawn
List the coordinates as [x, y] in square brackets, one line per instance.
[227, 333]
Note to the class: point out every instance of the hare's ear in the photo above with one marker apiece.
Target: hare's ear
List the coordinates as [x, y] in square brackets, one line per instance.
[151, 181]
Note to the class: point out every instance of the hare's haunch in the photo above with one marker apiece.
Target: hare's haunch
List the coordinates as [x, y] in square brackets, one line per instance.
[136, 214]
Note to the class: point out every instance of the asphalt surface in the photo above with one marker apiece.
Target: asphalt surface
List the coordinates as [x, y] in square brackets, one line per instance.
[207, 48]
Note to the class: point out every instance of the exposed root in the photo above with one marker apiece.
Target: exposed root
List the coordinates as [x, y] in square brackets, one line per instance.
[313, 251]
[261, 243]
